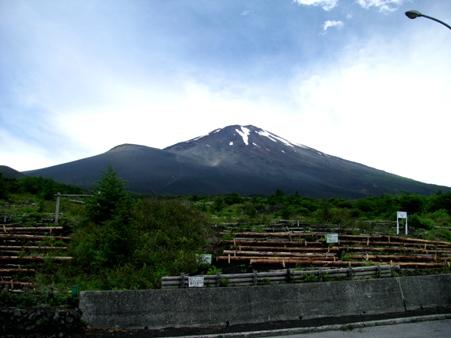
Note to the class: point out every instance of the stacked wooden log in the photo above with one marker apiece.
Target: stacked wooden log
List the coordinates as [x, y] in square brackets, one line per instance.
[310, 249]
[367, 227]
[23, 250]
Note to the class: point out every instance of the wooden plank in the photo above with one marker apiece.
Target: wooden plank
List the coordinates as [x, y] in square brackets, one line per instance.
[10, 271]
[280, 261]
[290, 249]
[402, 249]
[420, 265]
[31, 228]
[284, 234]
[32, 237]
[273, 258]
[388, 244]
[31, 247]
[354, 269]
[273, 242]
[35, 258]
[396, 257]
[278, 253]
[14, 283]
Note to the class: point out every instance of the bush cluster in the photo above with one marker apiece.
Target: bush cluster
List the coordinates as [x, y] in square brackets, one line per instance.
[131, 243]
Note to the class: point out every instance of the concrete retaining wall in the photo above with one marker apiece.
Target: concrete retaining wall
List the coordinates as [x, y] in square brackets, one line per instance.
[243, 305]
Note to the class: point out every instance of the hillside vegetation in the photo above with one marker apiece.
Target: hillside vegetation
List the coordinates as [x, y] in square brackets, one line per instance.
[122, 241]
[429, 216]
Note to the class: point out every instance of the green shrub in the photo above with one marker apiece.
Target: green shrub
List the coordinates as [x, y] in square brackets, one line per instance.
[421, 222]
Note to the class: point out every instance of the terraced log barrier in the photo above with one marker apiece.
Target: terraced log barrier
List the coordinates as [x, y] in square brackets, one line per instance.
[23, 250]
[292, 248]
[370, 227]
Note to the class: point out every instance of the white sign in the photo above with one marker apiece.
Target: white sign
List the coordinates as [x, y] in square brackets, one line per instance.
[331, 238]
[401, 214]
[204, 259]
[196, 282]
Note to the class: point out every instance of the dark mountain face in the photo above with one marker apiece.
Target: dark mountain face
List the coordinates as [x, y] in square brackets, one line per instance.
[146, 170]
[243, 159]
[9, 173]
[281, 164]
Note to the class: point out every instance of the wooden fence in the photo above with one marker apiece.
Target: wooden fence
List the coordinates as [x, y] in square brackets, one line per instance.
[283, 276]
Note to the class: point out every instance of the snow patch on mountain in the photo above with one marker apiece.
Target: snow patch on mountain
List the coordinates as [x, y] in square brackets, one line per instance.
[302, 146]
[274, 138]
[244, 133]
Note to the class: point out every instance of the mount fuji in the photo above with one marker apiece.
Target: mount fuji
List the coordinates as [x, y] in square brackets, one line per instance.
[234, 159]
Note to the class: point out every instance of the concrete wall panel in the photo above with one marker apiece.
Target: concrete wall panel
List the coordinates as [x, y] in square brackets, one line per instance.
[241, 305]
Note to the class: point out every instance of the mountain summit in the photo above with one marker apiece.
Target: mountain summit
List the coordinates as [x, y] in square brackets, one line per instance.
[242, 159]
[232, 144]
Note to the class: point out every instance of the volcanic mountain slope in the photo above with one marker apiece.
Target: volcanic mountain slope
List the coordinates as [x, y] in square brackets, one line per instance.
[146, 170]
[242, 159]
[9, 173]
[292, 167]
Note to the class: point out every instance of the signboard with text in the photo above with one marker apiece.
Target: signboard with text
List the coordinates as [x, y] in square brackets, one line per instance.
[331, 238]
[402, 214]
[196, 281]
[205, 259]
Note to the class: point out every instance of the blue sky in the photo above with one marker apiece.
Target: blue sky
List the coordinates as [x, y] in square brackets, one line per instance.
[352, 78]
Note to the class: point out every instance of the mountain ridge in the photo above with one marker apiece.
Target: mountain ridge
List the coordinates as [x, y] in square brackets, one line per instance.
[236, 158]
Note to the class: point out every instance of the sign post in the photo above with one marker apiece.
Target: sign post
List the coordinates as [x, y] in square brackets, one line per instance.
[401, 215]
[57, 207]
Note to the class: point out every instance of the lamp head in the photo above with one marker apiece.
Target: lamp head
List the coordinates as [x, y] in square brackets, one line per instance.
[413, 14]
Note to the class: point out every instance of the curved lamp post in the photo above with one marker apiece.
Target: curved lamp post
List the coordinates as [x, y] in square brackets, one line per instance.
[413, 14]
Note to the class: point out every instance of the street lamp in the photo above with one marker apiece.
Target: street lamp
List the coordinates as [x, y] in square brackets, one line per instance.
[413, 14]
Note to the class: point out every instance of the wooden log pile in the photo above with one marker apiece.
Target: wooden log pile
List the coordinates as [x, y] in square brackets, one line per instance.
[23, 250]
[373, 227]
[295, 248]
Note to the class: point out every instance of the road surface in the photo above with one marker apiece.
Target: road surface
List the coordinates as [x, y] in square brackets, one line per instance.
[430, 329]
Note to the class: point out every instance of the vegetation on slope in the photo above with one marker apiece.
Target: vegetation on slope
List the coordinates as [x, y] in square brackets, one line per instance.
[131, 243]
[429, 216]
[120, 241]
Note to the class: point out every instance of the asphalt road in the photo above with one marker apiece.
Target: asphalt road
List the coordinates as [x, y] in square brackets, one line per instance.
[431, 329]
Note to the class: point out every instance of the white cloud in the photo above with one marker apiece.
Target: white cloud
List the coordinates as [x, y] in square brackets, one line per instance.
[22, 155]
[159, 117]
[382, 5]
[327, 5]
[382, 105]
[332, 24]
